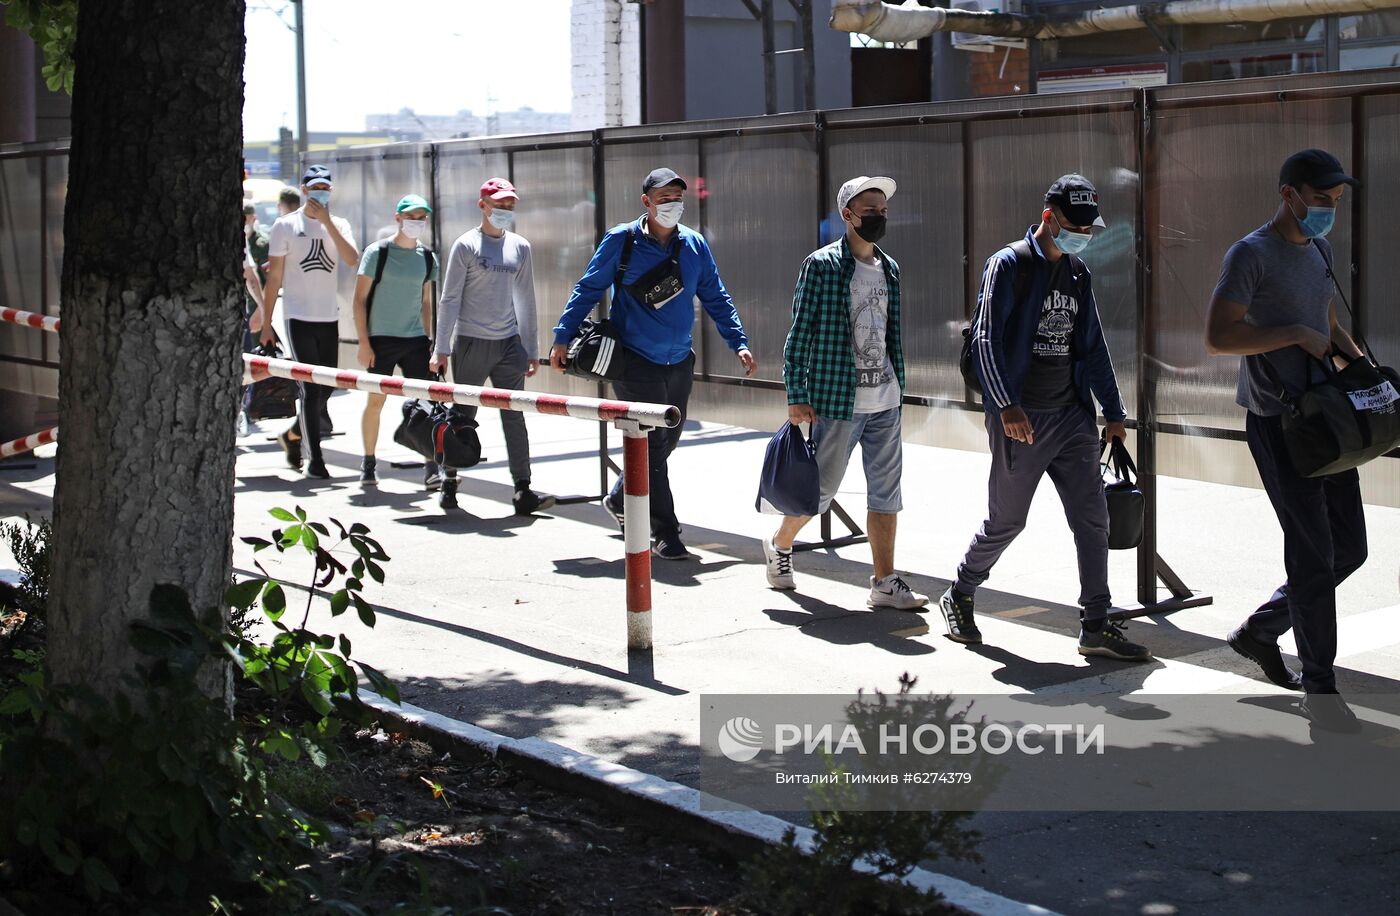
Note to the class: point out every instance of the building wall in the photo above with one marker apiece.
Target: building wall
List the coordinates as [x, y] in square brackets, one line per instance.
[606, 65]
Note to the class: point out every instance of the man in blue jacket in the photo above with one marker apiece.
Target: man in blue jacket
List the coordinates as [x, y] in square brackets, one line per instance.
[665, 267]
[1041, 357]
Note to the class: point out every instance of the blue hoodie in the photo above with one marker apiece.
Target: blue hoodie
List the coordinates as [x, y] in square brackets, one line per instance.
[1004, 329]
[661, 335]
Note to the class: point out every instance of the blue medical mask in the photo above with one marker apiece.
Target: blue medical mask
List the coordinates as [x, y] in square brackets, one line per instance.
[1071, 242]
[1317, 223]
[321, 197]
[501, 218]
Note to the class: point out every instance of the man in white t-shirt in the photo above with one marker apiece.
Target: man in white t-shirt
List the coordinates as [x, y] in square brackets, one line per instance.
[304, 249]
[843, 366]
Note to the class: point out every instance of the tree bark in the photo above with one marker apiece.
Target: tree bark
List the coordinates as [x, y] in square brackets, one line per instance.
[152, 304]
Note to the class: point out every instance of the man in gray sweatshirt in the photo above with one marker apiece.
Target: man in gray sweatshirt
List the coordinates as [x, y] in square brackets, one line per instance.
[486, 325]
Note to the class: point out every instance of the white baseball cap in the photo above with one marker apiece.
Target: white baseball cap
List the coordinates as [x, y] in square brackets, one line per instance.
[860, 185]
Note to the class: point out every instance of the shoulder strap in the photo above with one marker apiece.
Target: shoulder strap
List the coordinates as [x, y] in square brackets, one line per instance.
[428, 265]
[1356, 335]
[383, 247]
[625, 259]
[1025, 265]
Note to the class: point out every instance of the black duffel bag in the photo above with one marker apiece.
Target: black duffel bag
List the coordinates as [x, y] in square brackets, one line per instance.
[1125, 502]
[439, 434]
[272, 398]
[595, 353]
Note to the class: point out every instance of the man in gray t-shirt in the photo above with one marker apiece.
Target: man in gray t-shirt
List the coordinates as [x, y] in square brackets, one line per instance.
[487, 327]
[1273, 308]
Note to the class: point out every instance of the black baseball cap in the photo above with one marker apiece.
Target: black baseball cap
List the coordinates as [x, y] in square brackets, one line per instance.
[316, 174]
[1315, 167]
[659, 178]
[1077, 199]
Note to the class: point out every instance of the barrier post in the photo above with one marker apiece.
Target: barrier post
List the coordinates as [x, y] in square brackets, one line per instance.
[636, 515]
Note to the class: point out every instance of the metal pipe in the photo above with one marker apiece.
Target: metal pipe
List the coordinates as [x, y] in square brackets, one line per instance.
[910, 22]
[301, 76]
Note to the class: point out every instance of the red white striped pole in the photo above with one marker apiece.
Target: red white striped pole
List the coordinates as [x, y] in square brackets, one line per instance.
[636, 516]
[30, 319]
[30, 443]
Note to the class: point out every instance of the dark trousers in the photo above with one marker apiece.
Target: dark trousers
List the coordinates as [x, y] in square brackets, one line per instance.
[1066, 450]
[1324, 541]
[318, 343]
[504, 362]
[644, 380]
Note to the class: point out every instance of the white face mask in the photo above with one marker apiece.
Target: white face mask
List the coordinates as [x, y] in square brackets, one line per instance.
[501, 219]
[413, 228]
[669, 214]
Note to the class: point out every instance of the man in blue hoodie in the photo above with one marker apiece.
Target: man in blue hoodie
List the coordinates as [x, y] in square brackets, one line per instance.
[664, 267]
[1041, 357]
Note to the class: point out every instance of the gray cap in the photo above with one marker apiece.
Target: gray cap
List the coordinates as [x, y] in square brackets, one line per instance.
[659, 178]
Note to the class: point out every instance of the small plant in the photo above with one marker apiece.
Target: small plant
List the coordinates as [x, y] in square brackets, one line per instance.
[889, 843]
[29, 543]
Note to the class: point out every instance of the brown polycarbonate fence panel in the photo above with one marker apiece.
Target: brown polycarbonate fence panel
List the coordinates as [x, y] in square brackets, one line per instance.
[1380, 268]
[1215, 174]
[556, 214]
[925, 237]
[1015, 161]
[55, 195]
[402, 169]
[761, 220]
[625, 165]
[21, 253]
[462, 168]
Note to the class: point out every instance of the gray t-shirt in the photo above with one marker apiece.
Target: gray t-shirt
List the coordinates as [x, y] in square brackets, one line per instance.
[488, 291]
[1282, 284]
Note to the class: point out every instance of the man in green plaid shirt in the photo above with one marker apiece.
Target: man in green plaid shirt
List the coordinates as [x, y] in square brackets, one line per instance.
[843, 365]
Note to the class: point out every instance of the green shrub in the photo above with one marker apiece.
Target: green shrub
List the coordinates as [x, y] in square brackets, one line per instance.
[29, 543]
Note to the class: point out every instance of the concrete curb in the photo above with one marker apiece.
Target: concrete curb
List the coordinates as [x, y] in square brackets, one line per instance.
[678, 807]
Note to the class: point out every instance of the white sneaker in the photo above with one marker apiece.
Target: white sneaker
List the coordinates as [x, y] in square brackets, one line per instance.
[779, 565]
[892, 591]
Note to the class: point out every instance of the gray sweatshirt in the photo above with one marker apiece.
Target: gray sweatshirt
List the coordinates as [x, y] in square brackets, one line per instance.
[488, 291]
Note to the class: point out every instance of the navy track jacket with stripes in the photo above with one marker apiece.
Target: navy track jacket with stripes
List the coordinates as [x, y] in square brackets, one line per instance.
[1004, 329]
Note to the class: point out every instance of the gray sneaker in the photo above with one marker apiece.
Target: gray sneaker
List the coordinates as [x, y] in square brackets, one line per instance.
[892, 591]
[957, 614]
[1110, 642]
[779, 566]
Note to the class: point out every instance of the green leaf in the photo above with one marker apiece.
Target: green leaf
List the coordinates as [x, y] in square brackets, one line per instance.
[290, 537]
[308, 538]
[376, 571]
[320, 528]
[381, 684]
[362, 606]
[359, 528]
[15, 703]
[258, 543]
[301, 514]
[340, 603]
[282, 515]
[315, 699]
[344, 645]
[243, 594]
[274, 601]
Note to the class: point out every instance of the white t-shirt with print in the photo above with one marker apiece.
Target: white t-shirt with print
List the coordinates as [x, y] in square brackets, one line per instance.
[309, 265]
[876, 388]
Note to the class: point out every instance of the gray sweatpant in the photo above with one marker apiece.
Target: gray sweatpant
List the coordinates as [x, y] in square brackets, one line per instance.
[474, 360]
[1067, 450]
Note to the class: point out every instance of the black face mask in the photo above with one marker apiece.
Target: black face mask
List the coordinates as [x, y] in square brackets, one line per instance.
[871, 228]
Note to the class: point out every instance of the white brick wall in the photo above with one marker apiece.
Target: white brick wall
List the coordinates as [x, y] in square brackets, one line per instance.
[606, 65]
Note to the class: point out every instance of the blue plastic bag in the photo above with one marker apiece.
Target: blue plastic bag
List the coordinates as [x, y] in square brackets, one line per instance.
[790, 483]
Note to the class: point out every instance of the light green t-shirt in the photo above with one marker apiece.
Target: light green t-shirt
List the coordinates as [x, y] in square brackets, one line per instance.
[397, 307]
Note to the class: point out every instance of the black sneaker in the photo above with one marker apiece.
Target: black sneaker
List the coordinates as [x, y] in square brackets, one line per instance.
[368, 478]
[528, 501]
[317, 468]
[957, 614]
[671, 548]
[1266, 655]
[617, 515]
[1329, 711]
[1108, 641]
[291, 448]
[447, 497]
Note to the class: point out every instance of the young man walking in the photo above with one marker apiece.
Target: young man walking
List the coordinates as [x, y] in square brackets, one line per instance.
[843, 365]
[654, 320]
[393, 312]
[304, 249]
[1041, 357]
[487, 327]
[1273, 308]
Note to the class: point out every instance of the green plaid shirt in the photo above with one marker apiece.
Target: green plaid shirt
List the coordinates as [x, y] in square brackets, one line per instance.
[819, 364]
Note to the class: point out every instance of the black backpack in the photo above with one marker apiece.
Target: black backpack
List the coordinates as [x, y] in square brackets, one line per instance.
[379, 271]
[1025, 262]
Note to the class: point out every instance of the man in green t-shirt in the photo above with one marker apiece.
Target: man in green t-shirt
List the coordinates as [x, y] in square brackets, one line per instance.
[394, 313]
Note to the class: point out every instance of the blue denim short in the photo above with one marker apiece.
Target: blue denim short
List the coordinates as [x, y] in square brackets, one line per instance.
[882, 453]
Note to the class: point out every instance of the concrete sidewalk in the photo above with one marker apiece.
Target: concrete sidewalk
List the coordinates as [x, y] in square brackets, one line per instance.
[518, 624]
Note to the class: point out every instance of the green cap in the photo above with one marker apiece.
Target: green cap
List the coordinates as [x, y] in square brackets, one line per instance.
[412, 202]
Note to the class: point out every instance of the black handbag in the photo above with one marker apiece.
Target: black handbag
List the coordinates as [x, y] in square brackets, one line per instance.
[1349, 418]
[595, 353]
[272, 398]
[439, 434]
[1125, 502]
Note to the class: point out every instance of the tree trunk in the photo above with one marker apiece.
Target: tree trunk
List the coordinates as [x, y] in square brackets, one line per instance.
[152, 302]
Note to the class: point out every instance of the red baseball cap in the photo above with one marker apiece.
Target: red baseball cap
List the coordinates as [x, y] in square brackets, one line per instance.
[498, 189]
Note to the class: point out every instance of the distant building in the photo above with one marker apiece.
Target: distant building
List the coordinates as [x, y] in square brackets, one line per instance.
[406, 124]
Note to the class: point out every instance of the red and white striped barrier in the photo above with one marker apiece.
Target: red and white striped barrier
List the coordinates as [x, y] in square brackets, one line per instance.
[257, 368]
[30, 319]
[28, 443]
[635, 419]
